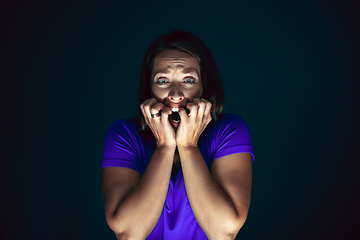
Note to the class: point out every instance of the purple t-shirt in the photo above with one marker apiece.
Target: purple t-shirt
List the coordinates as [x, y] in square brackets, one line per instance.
[124, 146]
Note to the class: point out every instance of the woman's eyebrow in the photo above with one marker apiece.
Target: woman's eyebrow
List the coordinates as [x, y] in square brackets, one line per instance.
[185, 70]
[190, 70]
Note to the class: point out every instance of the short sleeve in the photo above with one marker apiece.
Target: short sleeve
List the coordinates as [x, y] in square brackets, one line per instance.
[231, 135]
[121, 146]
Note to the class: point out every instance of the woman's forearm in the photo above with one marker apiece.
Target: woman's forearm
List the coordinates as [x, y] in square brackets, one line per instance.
[138, 212]
[213, 209]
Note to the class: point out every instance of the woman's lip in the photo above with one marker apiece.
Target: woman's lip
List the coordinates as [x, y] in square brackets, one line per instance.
[171, 105]
[174, 123]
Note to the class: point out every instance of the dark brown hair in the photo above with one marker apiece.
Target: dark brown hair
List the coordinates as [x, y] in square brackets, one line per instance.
[185, 42]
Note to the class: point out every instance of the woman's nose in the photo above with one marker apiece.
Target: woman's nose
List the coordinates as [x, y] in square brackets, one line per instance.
[176, 99]
[175, 95]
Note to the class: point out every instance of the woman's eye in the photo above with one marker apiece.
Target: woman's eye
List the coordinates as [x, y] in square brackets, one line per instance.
[161, 81]
[189, 80]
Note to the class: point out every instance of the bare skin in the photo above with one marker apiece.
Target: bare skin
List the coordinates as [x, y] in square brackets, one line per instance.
[176, 82]
[219, 199]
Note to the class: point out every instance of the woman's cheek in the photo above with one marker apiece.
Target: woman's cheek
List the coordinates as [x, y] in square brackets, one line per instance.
[195, 94]
[158, 94]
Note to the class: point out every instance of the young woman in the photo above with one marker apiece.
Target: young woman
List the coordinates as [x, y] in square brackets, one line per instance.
[183, 168]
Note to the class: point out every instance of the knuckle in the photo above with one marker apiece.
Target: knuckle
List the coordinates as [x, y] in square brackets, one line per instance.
[153, 111]
[162, 106]
[163, 113]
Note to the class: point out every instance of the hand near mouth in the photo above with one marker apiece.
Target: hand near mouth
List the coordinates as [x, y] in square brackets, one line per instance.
[159, 124]
[192, 125]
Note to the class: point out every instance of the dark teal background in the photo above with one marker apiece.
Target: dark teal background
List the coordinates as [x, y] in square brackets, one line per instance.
[69, 69]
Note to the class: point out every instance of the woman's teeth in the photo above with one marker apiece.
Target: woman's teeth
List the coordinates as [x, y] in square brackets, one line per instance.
[175, 109]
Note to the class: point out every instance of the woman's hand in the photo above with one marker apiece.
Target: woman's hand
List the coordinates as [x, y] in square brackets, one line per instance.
[192, 125]
[160, 126]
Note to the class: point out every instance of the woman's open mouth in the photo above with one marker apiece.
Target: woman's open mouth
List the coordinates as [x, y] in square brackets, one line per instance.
[175, 117]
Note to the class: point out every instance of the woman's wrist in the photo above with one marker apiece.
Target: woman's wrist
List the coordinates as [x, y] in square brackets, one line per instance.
[166, 148]
[187, 147]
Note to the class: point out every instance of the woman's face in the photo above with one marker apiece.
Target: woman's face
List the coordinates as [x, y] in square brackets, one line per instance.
[175, 79]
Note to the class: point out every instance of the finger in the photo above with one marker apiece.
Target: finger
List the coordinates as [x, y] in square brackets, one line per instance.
[193, 110]
[146, 117]
[142, 105]
[157, 108]
[165, 115]
[183, 115]
[201, 111]
[147, 106]
[207, 112]
[196, 100]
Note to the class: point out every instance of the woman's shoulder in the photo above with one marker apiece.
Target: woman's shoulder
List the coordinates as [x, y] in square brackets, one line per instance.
[121, 126]
[230, 118]
[228, 124]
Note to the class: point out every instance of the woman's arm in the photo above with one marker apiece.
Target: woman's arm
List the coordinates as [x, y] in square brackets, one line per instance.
[220, 200]
[133, 204]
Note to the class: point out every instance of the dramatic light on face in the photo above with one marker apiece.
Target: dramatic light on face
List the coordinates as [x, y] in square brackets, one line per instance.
[176, 78]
